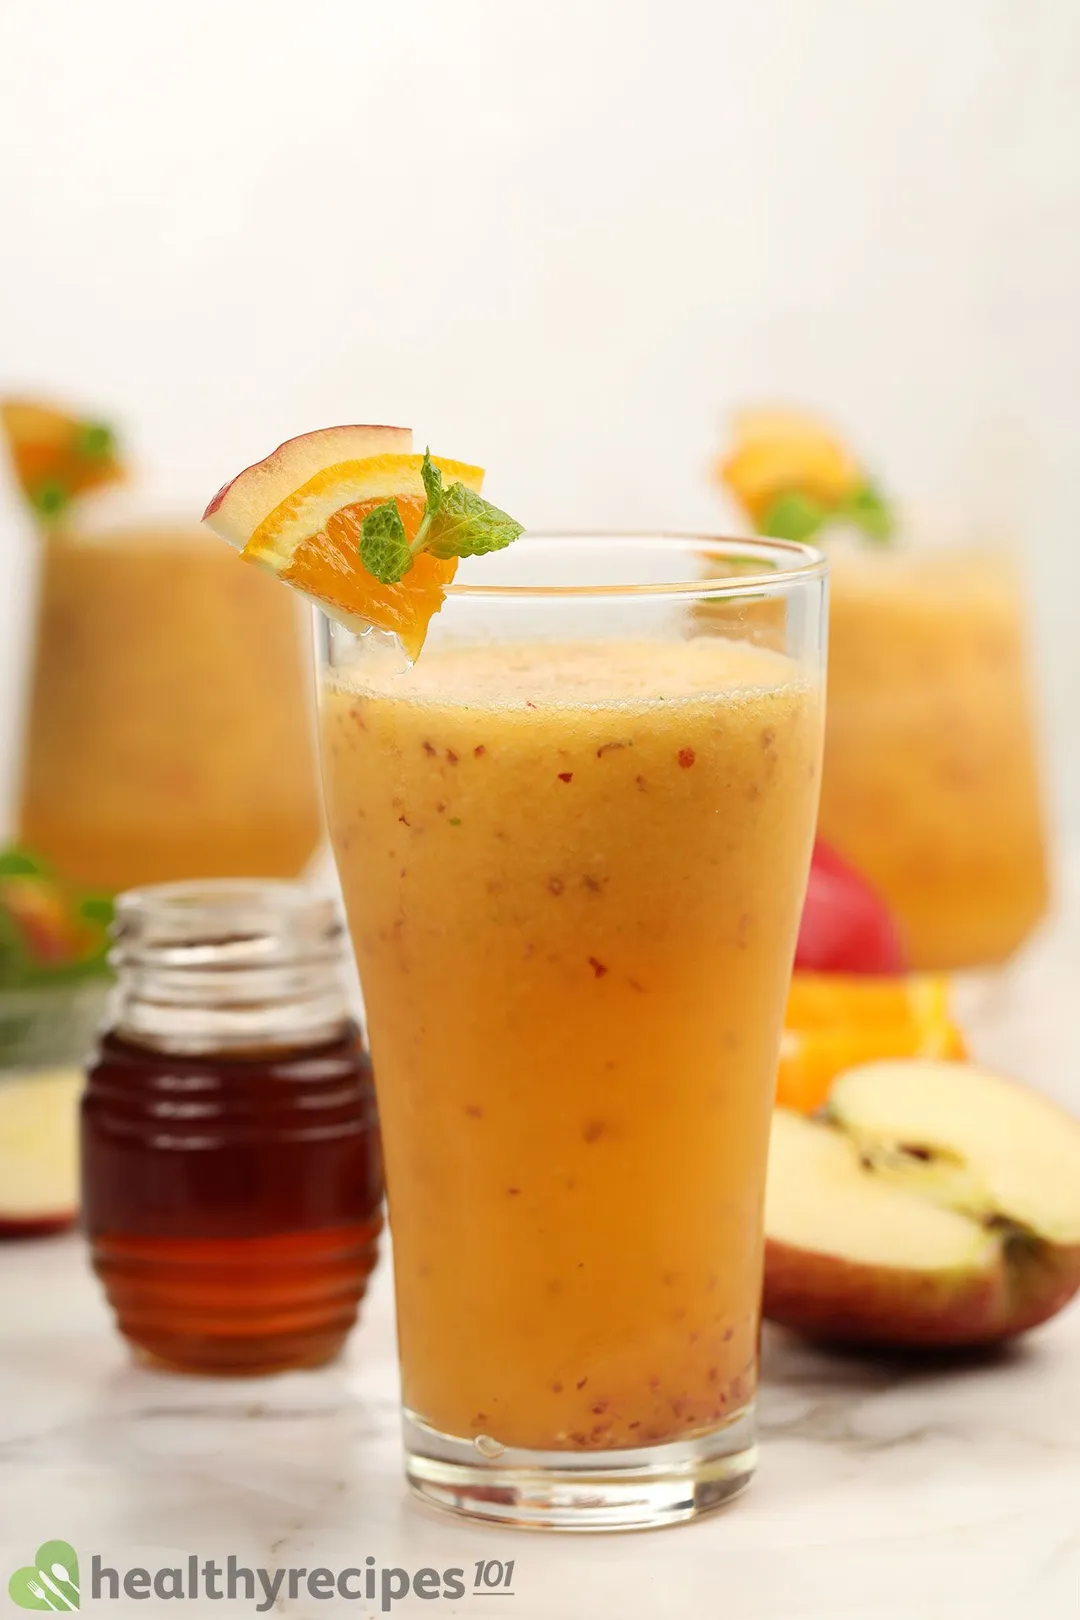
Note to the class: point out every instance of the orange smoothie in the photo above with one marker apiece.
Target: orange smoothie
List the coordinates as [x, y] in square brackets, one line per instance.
[930, 785]
[169, 733]
[574, 905]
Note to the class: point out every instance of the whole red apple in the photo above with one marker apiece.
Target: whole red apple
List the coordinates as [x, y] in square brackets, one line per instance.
[846, 927]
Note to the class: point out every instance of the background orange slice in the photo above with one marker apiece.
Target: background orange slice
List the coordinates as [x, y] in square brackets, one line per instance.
[56, 456]
[836, 1020]
[779, 451]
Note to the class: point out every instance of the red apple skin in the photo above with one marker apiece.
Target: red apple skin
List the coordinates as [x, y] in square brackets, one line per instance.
[32, 1226]
[845, 927]
[841, 1302]
[43, 917]
[1042, 1279]
[366, 427]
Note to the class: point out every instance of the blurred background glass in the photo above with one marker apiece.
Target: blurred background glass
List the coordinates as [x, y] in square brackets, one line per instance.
[561, 240]
[931, 786]
[168, 732]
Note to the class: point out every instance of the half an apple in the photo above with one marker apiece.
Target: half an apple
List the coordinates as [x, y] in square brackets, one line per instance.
[39, 1154]
[936, 1204]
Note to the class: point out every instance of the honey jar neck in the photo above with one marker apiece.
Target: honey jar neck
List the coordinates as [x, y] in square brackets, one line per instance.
[228, 967]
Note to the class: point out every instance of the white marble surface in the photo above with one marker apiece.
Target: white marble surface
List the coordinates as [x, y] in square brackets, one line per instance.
[883, 1493]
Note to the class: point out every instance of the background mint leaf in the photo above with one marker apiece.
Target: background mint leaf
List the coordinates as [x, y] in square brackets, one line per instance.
[432, 485]
[95, 440]
[384, 550]
[18, 862]
[793, 516]
[466, 525]
[868, 508]
[49, 498]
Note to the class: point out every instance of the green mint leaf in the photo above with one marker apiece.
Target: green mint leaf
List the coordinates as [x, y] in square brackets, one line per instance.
[384, 550]
[793, 516]
[868, 509]
[97, 909]
[433, 486]
[18, 862]
[95, 440]
[466, 525]
[49, 498]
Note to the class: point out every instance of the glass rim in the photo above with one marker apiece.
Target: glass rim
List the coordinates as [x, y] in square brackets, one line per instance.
[803, 564]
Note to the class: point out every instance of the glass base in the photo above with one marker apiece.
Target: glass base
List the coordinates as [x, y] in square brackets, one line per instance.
[642, 1489]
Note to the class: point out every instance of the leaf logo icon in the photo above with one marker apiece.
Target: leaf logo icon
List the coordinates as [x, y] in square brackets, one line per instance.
[50, 1582]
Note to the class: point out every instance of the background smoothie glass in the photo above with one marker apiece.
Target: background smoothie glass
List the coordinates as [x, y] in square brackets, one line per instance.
[931, 783]
[931, 779]
[169, 734]
[573, 841]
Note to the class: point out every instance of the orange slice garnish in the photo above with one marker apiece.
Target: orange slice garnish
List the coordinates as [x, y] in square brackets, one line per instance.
[56, 456]
[776, 452]
[309, 535]
[837, 1020]
[327, 567]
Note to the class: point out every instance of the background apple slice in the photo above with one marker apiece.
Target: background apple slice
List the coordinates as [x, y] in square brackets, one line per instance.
[969, 1138]
[938, 1206]
[39, 1168]
[852, 1259]
[239, 507]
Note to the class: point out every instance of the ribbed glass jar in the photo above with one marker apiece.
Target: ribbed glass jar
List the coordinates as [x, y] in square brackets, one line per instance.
[232, 1185]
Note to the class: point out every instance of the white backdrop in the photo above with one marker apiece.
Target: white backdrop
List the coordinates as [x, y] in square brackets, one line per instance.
[561, 239]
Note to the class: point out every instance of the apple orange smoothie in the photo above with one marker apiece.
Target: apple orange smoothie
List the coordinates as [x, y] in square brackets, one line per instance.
[573, 874]
[169, 733]
[931, 784]
[931, 781]
[572, 817]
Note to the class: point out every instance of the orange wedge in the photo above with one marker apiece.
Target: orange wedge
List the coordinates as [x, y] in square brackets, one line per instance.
[777, 452]
[306, 530]
[837, 1020]
[56, 456]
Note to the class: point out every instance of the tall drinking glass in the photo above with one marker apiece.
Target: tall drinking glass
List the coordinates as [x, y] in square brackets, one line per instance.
[573, 841]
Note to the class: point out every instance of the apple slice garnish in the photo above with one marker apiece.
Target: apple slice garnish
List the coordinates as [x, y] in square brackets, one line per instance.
[39, 1169]
[300, 515]
[247, 500]
[937, 1205]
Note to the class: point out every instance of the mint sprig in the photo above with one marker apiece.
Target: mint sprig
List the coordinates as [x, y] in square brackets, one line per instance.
[49, 498]
[468, 526]
[384, 549]
[794, 515]
[867, 508]
[433, 488]
[95, 440]
[456, 523]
